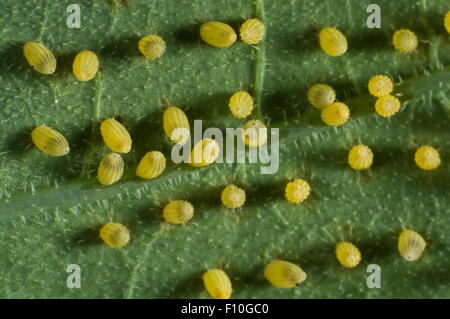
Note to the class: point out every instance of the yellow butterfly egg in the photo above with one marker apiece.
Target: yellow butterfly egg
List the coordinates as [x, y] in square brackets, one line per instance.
[283, 274]
[335, 114]
[360, 157]
[115, 235]
[404, 40]
[321, 95]
[217, 34]
[50, 141]
[348, 254]
[110, 169]
[387, 106]
[380, 85]
[178, 212]
[447, 21]
[254, 133]
[427, 157]
[40, 57]
[176, 125]
[204, 153]
[217, 283]
[411, 245]
[115, 136]
[297, 190]
[252, 31]
[152, 46]
[151, 165]
[85, 65]
[241, 104]
[233, 197]
[332, 41]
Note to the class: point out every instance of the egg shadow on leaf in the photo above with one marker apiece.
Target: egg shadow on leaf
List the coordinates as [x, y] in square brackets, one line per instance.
[88, 236]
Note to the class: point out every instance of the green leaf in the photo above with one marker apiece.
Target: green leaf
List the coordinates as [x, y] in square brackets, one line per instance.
[52, 208]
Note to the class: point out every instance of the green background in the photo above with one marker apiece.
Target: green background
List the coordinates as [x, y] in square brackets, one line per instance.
[52, 208]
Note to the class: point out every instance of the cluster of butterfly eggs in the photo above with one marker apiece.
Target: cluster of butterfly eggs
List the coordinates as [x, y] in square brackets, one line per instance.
[334, 113]
[285, 274]
[381, 86]
[219, 34]
[111, 167]
[85, 64]
[322, 96]
[334, 43]
[360, 157]
[118, 139]
[176, 124]
[280, 273]
[222, 35]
